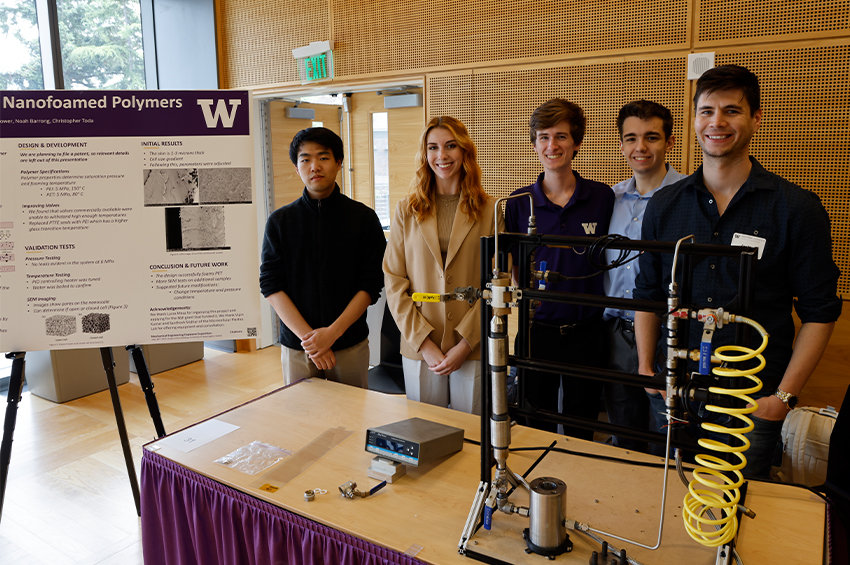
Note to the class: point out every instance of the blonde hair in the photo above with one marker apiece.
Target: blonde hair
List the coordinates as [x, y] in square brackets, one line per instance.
[423, 186]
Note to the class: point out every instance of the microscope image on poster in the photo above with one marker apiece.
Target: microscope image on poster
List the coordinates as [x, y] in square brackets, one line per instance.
[191, 187]
[60, 325]
[167, 187]
[95, 323]
[195, 228]
[230, 185]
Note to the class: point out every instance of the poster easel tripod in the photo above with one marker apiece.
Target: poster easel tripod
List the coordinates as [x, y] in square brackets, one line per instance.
[16, 386]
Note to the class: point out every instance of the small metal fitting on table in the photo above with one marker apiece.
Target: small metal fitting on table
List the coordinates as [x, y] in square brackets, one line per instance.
[349, 490]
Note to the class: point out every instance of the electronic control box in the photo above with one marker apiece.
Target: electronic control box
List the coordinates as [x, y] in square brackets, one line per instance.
[414, 441]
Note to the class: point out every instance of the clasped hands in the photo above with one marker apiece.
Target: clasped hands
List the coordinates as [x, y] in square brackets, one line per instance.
[448, 363]
[317, 345]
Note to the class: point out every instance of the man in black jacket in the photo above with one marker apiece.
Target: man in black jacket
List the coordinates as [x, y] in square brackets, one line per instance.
[321, 268]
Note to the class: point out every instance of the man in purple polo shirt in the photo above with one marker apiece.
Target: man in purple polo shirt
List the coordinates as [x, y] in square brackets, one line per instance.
[564, 204]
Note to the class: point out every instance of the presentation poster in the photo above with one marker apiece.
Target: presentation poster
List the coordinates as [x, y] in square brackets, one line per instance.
[126, 217]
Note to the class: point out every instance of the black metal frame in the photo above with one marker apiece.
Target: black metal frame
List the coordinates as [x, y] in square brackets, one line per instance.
[524, 246]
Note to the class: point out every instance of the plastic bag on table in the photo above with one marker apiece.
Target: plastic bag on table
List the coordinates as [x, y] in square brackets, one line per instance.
[254, 457]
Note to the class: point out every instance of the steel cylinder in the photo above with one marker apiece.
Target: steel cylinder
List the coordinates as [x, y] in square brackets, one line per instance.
[547, 512]
[500, 426]
[500, 434]
[497, 343]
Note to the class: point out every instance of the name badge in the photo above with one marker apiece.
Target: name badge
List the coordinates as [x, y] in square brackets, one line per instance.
[746, 240]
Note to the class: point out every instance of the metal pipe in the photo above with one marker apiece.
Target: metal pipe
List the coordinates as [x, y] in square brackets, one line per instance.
[663, 501]
[568, 241]
[532, 225]
[500, 425]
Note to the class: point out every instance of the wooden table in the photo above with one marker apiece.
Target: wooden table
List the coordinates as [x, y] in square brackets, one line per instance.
[429, 506]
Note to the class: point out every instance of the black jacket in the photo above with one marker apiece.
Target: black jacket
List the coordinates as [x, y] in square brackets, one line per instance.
[321, 253]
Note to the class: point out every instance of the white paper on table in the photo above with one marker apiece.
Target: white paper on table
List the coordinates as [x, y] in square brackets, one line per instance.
[199, 435]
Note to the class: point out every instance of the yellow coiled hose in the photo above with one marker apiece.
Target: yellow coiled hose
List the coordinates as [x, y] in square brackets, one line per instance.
[721, 492]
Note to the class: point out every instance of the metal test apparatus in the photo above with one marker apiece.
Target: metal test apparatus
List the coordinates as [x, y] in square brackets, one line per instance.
[712, 507]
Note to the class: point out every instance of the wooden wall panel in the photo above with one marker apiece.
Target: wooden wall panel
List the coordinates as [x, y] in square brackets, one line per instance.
[378, 35]
[805, 132]
[381, 36]
[287, 183]
[742, 21]
[452, 95]
[259, 36]
[488, 30]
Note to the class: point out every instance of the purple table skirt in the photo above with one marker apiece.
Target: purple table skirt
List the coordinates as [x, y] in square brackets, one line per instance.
[188, 519]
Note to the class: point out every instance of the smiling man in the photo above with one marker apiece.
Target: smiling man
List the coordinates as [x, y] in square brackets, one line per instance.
[646, 135]
[732, 198]
[321, 268]
[564, 204]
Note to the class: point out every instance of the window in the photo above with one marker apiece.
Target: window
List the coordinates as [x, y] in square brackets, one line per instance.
[100, 43]
[20, 65]
[381, 167]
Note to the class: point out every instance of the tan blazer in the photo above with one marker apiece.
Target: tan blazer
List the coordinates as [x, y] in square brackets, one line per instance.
[413, 263]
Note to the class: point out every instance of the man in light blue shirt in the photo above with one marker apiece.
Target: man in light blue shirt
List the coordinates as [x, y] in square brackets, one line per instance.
[646, 135]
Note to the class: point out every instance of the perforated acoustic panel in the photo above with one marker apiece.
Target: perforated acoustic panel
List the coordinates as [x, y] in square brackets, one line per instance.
[259, 38]
[385, 35]
[378, 36]
[501, 103]
[721, 20]
[805, 131]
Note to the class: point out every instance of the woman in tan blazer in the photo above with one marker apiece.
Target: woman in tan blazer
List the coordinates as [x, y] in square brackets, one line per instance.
[434, 247]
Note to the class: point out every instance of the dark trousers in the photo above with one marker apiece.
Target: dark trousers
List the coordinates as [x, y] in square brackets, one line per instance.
[578, 346]
[626, 405]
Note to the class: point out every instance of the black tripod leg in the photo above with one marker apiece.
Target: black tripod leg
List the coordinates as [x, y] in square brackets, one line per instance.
[16, 385]
[108, 366]
[147, 386]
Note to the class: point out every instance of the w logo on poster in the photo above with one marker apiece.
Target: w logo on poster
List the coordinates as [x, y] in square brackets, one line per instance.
[589, 229]
[221, 112]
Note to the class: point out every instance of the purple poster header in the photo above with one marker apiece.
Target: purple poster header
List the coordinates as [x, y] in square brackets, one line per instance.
[123, 113]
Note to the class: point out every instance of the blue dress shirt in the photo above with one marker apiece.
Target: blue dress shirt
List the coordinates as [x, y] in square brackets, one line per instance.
[627, 220]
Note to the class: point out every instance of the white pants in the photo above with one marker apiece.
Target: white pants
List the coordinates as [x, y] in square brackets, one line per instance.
[464, 385]
[352, 365]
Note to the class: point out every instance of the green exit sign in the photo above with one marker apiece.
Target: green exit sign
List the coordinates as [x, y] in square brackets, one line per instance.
[318, 67]
[315, 61]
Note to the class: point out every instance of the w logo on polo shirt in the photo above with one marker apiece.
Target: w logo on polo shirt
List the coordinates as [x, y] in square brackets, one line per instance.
[589, 229]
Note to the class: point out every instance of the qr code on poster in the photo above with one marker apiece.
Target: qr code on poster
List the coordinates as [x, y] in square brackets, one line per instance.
[252, 332]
